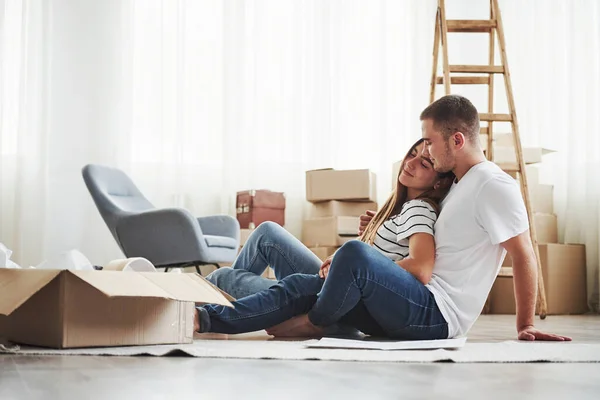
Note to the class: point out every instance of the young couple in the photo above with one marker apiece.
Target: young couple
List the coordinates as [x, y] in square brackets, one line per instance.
[423, 265]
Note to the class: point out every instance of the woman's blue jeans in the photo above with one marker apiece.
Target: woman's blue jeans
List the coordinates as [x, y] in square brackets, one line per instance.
[364, 290]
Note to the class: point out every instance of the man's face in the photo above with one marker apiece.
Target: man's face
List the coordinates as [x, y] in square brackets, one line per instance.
[437, 148]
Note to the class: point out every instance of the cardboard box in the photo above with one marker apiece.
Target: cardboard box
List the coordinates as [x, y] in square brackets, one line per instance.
[331, 184]
[542, 198]
[244, 235]
[66, 309]
[329, 231]
[564, 271]
[336, 208]
[508, 155]
[533, 175]
[323, 252]
[546, 228]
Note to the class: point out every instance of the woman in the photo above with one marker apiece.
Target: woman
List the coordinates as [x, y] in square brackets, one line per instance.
[376, 284]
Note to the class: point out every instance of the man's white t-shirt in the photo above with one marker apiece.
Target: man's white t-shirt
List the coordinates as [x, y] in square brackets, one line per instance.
[482, 210]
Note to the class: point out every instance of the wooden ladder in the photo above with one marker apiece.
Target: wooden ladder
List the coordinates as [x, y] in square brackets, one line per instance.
[485, 76]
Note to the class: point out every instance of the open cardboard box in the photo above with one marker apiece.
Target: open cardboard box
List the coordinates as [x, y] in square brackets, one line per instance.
[66, 309]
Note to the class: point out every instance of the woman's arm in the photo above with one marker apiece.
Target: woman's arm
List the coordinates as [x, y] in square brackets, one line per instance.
[421, 257]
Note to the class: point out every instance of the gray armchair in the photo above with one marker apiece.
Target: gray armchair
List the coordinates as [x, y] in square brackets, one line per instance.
[168, 237]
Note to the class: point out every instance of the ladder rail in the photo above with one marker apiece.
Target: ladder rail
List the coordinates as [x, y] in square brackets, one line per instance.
[490, 144]
[444, 29]
[436, 48]
[541, 292]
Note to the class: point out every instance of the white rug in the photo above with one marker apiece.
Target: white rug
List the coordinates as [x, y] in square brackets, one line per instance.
[502, 352]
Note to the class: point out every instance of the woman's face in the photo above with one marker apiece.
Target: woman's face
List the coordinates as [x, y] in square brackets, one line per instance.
[418, 172]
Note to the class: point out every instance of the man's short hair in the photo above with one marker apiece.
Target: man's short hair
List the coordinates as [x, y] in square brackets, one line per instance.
[454, 113]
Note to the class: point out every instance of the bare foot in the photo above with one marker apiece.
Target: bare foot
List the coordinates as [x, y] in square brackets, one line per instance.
[196, 320]
[299, 326]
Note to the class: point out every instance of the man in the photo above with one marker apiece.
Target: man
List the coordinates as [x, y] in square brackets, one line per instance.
[482, 218]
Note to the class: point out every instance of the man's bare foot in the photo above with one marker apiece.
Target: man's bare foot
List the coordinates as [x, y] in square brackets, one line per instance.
[196, 320]
[299, 326]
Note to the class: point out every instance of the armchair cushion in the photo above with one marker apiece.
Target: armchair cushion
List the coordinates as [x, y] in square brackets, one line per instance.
[221, 241]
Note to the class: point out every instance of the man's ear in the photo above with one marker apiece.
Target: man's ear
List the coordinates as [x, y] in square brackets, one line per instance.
[458, 140]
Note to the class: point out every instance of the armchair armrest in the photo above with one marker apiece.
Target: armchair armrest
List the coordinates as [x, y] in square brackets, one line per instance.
[163, 236]
[220, 225]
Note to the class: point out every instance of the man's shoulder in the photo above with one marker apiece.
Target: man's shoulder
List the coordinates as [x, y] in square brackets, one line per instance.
[492, 177]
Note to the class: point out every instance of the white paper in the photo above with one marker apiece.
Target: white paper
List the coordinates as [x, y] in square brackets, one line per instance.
[72, 259]
[5, 261]
[389, 345]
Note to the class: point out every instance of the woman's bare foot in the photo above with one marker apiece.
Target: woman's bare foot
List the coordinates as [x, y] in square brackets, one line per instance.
[299, 326]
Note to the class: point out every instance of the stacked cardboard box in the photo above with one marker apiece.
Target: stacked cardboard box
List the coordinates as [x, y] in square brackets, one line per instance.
[564, 272]
[563, 265]
[338, 198]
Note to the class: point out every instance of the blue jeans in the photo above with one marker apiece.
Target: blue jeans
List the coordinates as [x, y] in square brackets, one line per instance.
[364, 289]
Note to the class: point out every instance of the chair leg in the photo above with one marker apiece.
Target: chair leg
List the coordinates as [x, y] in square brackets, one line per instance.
[166, 269]
[198, 270]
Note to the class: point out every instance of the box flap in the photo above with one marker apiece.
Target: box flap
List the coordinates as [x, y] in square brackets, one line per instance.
[224, 293]
[184, 287]
[187, 287]
[18, 285]
[122, 284]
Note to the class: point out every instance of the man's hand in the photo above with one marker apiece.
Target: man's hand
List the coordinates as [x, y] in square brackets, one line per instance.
[324, 270]
[364, 221]
[530, 333]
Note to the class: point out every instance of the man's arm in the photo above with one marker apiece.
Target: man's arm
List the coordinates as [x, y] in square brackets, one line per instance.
[421, 257]
[521, 251]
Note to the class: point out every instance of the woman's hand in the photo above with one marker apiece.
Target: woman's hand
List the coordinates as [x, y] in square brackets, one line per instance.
[324, 270]
[364, 220]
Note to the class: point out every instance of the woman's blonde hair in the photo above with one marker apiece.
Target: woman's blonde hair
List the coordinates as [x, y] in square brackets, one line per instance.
[394, 203]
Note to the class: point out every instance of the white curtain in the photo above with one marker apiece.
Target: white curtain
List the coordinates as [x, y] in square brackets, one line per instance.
[64, 103]
[197, 99]
[238, 95]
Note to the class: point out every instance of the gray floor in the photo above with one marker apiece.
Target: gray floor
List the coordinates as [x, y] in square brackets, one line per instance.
[73, 377]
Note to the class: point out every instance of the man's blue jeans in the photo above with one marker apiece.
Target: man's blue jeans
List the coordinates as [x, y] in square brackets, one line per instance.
[364, 290]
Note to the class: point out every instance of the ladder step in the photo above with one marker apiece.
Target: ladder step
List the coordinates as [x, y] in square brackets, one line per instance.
[465, 80]
[495, 117]
[484, 69]
[509, 167]
[470, 25]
